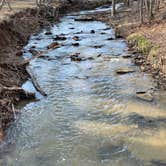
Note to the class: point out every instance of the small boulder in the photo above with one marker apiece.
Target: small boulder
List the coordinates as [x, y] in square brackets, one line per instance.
[146, 96]
[38, 38]
[99, 55]
[75, 44]
[103, 33]
[125, 71]
[75, 57]
[84, 18]
[127, 56]
[92, 31]
[19, 53]
[48, 33]
[59, 37]
[110, 38]
[53, 45]
[33, 46]
[118, 36]
[89, 58]
[108, 28]
[98, 46]
[76, 38]
[75, 54]
[79, 32]
[34, 52]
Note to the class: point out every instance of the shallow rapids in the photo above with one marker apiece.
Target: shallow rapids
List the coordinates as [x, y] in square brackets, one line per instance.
[91, 116]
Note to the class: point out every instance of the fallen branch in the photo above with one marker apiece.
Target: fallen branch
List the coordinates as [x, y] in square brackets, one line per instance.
[34, 81]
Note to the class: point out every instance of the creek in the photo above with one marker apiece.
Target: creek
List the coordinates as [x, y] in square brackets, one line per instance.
[91, 116]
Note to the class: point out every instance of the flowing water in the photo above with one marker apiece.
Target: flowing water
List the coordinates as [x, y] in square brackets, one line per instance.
[91, 116]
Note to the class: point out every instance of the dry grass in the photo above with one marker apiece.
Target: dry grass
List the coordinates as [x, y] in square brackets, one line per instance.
[17, 5]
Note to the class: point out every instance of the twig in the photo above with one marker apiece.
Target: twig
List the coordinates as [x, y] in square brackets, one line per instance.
[14, 111]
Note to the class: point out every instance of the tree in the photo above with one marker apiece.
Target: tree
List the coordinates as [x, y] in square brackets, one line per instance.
[113, 8]
[3, 2]
[146, 8]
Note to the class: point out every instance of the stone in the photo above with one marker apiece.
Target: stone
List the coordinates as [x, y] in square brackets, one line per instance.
[76, 38]
[127, 56]
[59, 37]
[75, 57]
[75, 44]
[34, 52]
[84, 18]
[103, 33]
[108, 28]
[90, 58]
[99, 55]
[118, 36]
[146, 96]
[79, 32]
[110, 38]
[125, 70]
[48, 33]
[98, 46]
[53, 45]
[38, 38]
[92, 31]
[143, 68]
[33, 46]
[19, 53]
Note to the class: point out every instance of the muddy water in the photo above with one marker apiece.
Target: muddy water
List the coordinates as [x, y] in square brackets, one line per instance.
[91, 116]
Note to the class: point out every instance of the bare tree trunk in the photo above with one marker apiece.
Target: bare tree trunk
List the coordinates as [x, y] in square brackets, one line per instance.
[113, 8]
[141, 10]
[3, 2]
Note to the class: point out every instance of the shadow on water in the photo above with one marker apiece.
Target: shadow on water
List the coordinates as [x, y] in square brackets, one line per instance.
[91, 116]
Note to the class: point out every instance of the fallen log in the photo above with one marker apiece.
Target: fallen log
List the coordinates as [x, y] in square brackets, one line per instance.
[34, 81]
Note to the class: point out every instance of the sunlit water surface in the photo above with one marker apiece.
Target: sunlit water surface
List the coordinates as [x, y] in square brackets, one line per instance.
[91, 116]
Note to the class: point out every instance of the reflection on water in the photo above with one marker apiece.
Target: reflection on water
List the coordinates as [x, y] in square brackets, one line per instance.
[150, 142]
[91, 116]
